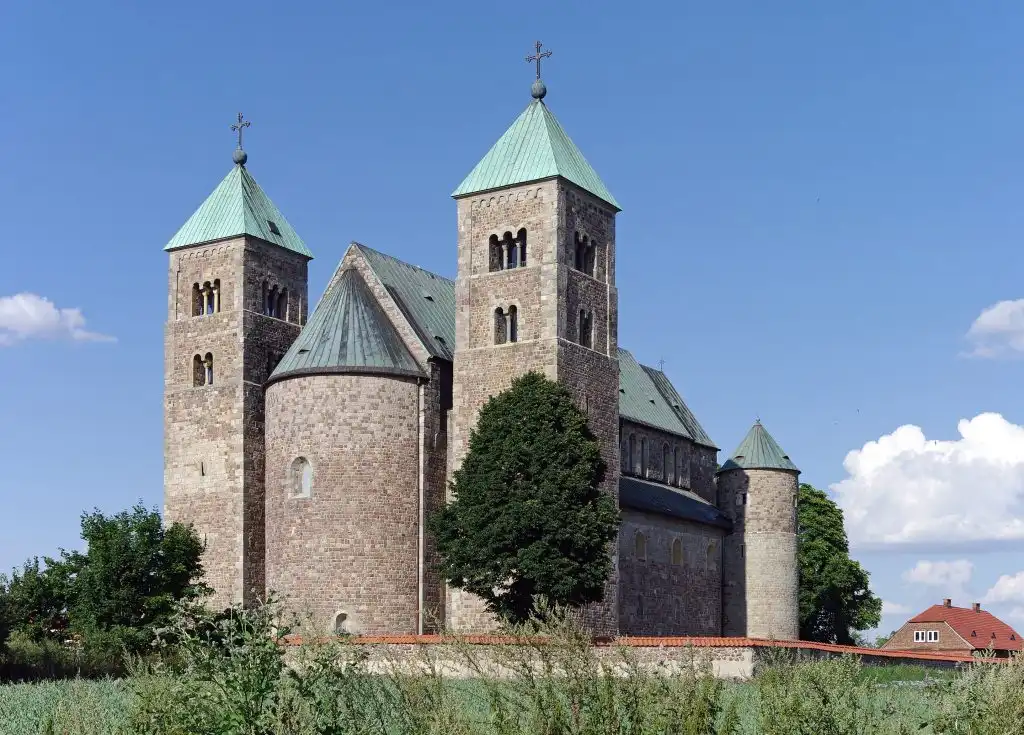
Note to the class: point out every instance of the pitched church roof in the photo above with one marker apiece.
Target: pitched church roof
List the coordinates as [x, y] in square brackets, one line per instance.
[426, 299]
[646, 396]
[348, 333]
[759, 451]
[238, 206]
[652, 497]
[535, 147]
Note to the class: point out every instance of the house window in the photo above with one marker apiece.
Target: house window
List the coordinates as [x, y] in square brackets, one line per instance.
[926, 636]
[300, 478]
[640, 546]
[677, 552]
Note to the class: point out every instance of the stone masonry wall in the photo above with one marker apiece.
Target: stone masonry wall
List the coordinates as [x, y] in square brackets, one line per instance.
[353, 545]
[662, 598]
[688, 465]
[551, 212]
[213, 473]
[760, 591]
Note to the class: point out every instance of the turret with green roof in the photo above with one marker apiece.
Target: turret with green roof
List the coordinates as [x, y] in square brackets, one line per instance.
[237, 299]
[758, 487]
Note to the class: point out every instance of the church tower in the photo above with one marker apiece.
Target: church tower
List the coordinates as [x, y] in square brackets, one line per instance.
[237, 298]
[758, 489]
[535, 290]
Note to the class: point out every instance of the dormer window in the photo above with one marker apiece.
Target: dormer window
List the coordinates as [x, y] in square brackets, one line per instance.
[273, 227]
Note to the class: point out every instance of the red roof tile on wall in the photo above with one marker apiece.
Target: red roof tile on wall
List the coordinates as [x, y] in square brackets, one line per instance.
[982, 624]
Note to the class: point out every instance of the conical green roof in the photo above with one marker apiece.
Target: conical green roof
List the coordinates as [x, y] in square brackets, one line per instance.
[238, 206]
[759, 451]
[348, 333]
[535, 147]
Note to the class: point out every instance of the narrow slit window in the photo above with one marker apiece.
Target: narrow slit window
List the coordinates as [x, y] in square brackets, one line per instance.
[513, 324]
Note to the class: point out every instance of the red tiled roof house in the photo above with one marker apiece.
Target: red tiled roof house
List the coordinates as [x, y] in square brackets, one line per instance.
[962, 629]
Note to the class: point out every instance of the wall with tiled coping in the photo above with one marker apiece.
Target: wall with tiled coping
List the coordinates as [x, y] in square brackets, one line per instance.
[729, 658]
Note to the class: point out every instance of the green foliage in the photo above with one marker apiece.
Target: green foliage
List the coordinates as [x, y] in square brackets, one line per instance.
[835, 600]
[95, 606]
[985, 700]
[528, 519]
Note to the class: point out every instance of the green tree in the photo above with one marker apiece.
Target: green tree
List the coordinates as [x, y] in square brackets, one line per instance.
[835, 600]
[133, 572]
[528, 518]
[124, 586]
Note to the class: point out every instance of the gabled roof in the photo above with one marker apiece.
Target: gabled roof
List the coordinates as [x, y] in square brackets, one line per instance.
[348, 333]
[759, 451]
[651, 497]
[643, 398]
[678, 405]
[535, 147]
[980, 629]
[426, 299]
[238, 206]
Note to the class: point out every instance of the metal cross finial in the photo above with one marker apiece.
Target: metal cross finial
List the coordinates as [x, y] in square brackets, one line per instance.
[661, 365]
[237, 127]
[538, 56]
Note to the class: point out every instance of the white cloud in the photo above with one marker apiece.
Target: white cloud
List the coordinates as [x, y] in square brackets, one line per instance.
[894, 608]
[1008, 588]
[28, 316]
[906, 489]
[998, 330]
[949, 575]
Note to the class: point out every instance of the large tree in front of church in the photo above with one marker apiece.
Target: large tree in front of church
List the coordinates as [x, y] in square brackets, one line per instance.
[835, 599]
[528, 519]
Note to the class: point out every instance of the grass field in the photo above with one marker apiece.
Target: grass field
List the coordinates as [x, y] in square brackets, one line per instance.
[109, 707]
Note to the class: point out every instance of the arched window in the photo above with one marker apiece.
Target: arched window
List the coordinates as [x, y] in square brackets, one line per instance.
[579, 249]
[216, 296]
[272, 300]
[632, 452]
[513, 324]
[265, 299]
[197, 300]
[207, 295]
[496, 261]
[643, 457]
[586, 328]
[588, 259]
[671, 478]
[300, 478]
[624, 453]
[511, 254]
[664, 462]
[521, 240]
[640, 546]
[341, 624]
[677, 552]
[712, 549]
[208, 367]
[500, 327]
[282, 304]
[198, 372]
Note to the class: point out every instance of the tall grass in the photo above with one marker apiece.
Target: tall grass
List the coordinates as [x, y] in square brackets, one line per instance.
[228, 676]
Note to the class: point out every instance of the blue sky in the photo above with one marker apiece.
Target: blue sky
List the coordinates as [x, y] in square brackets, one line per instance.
[819, 200]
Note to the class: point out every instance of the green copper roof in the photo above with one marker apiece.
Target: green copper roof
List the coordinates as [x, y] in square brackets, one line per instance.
[535, 147]
[426, 299]
[759, 451]
[238, 206]
[679, 407]
[641, 401]
[348, 333]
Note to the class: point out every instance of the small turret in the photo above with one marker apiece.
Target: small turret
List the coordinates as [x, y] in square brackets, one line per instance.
[758, 487]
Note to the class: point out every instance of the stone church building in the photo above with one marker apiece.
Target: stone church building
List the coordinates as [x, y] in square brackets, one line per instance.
[308, 452]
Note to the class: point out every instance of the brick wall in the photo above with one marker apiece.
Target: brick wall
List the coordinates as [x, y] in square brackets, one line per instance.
[659, 597]
[353, 545]
[949, 639]
[213, 437]
[760, 590]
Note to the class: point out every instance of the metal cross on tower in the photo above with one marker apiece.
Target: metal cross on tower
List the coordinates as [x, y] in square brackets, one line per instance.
[237, 128]
[538, 56]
